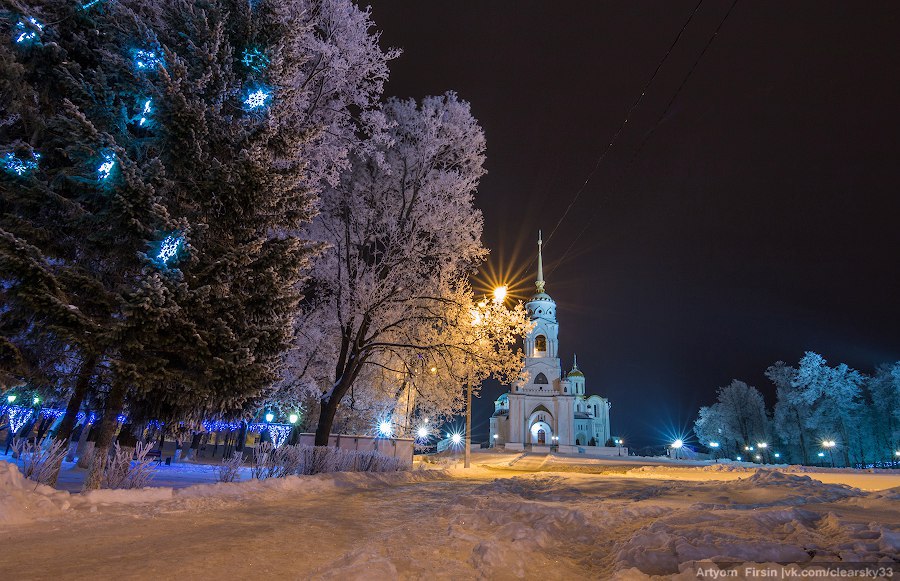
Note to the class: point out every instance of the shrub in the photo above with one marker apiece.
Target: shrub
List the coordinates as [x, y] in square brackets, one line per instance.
[121, 472]
[40, 460]
[230, 469]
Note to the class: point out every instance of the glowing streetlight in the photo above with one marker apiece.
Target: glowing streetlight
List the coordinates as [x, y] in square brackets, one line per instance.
[10, 398]
[762, 445]
[829, 445]
[422, 432]
[777, 455]
[676, 445]
[738, 458]
[456, 438]
[270, 417]
[713, 444]
[385, 428]
[500, 294]
[293, 418]
[758, 457]
[821, 454]
[36, 400]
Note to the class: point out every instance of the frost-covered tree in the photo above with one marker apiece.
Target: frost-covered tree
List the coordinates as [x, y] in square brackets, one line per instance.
[402, 236]
[883, 390]
[834, 398]
[737, 419]
[791, 416]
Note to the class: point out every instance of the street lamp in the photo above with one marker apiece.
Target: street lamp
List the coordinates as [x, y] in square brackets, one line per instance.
[293, 418]
[270, 417]
[385, 428]
[676, 445]
[829, 445]
[10, 398]
[500, 294]
[715, 448]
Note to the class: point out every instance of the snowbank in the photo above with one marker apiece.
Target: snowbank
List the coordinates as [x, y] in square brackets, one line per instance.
[22, 500]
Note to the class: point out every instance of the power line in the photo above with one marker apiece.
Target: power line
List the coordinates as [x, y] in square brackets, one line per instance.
[625, 121]
[653, 129]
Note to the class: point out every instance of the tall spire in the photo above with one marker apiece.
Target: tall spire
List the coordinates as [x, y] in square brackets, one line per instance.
[539, 283]
[574, 361]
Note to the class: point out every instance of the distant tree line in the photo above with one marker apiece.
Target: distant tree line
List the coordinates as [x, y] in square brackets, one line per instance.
[823, 414]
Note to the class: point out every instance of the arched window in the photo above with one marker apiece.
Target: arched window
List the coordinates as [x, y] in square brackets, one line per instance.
[541, 379]
[540, 343]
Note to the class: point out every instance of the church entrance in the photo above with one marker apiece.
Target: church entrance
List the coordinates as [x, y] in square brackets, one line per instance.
[540, 433]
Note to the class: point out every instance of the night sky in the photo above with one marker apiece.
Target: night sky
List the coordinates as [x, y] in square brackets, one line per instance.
[758, 220]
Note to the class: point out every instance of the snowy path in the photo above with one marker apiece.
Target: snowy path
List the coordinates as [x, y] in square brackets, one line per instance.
[460, 525]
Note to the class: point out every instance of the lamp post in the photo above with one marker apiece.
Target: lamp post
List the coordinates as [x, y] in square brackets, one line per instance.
[762, 447]
[829, 445]
[676, 445]
[714, 446]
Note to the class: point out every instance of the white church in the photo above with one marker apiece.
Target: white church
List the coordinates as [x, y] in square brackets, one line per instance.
[549, 409]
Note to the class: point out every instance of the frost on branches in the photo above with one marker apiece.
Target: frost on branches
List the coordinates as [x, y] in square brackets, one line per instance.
[389, 314]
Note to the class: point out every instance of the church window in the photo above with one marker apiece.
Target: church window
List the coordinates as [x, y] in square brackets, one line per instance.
[540, 343]
[541, 379]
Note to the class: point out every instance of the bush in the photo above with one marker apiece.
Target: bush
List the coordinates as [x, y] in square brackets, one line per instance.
[122, 473]
[230, 469]
[40, 460]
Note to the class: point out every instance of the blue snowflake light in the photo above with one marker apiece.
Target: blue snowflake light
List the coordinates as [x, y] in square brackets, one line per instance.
[145, 112]
[12, 164]
[168, 249]
[27, 31]
[258, 98]
[105, 169]
[255, 59]
[147, 60]
[142, 119]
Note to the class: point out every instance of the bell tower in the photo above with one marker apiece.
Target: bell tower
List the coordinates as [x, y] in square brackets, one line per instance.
[542, 341]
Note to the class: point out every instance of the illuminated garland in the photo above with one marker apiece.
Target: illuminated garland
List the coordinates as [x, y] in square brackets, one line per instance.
[18, 415]
[279, 433]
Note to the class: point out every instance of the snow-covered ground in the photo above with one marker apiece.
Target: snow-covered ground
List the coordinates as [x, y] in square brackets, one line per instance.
[509, 516]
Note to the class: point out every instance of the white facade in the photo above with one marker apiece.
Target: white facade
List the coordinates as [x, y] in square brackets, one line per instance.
[548, 408]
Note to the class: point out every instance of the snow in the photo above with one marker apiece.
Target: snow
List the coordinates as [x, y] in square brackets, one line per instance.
[510, 516]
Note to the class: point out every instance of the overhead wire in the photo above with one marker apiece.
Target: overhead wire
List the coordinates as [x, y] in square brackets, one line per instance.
[631, 109]
[653, 129]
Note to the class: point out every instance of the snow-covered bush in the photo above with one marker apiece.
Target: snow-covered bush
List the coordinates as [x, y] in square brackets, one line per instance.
[230, 468]
[40, 460]
[308, 460]
[121, 472]
[262, 461]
